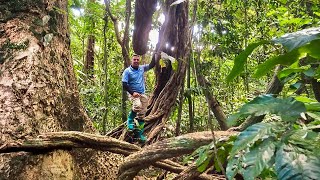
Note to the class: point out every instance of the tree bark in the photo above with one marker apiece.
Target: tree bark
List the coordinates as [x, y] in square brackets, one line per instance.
[38, 94]
[124, 43]
[89, 61]
[175, 32]
[144, 10]
[165, 149]
[69, 140]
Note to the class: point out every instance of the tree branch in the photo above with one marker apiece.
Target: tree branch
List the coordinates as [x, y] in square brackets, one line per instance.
[165, 149]
[151, 155]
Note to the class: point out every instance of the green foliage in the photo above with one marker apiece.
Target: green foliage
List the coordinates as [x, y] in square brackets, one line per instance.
[289, 144]
[299, 44]
[224, 29]
[241, 59]
[288, 109]
[256, 147]
[205, 154]
[291, 164]
[298, 39]
[250, 136]
[289, 58]
[254, 162]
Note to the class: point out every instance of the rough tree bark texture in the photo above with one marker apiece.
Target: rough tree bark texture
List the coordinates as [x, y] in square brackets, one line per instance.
[89, 62]
[213, 103]
[175, 32]
[167, 148]
[144, 10]
[38, 93]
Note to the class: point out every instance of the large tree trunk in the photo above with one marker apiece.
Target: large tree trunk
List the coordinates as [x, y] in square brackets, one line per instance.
[143, 19]
[175, 32]
[38, 93]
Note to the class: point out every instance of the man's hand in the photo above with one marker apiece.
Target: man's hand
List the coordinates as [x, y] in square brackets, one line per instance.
[136, 95]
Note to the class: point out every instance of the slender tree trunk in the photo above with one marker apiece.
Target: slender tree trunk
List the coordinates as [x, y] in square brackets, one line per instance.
[105, 62]
[38, 94]
[178, 121]
[124, 43]
[246, 36]
[89, 62]
[212, 101]
[189, 97]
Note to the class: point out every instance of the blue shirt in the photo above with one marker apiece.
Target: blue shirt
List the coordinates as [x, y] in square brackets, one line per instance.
[135, 78]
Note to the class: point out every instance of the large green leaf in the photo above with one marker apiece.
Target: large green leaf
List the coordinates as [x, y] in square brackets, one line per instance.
[289, 109]
[285, 59]
[305, 138]
[305, 99]
[286, 72]
[241, 59]
[257, 159]
[292, 165]
[312, 49]
[297, 39]
[204, 158]
[313, 106]
[233, 167]
[251, 135]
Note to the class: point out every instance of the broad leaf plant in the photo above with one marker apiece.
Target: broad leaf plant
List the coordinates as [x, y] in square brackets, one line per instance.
[286, 144]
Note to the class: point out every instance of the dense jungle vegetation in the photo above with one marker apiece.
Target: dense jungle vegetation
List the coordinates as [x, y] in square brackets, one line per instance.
[236, 47]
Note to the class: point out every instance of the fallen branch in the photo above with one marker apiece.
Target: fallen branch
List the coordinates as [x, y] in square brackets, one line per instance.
[138, 158]
[165, 149]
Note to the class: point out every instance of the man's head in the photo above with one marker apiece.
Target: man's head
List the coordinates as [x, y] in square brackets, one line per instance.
[135, 61]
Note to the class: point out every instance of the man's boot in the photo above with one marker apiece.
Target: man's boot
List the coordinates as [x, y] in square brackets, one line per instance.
[130, 123]
[141, 137]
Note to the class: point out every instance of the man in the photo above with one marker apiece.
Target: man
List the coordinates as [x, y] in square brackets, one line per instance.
[133, 83]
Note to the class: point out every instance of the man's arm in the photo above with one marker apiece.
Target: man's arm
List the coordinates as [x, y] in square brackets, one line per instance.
[153, 61]
[127, 88]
